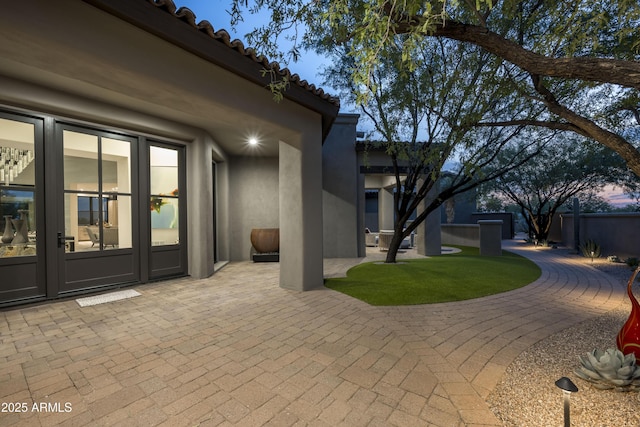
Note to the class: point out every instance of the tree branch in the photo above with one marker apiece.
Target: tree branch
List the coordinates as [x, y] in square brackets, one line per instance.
[539, 123]
[603, 70]
[588, 128]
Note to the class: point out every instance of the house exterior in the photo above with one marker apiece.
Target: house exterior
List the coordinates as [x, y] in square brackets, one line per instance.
[124, 130]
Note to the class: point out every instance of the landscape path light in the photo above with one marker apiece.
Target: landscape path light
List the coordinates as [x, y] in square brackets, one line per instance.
[567, 387]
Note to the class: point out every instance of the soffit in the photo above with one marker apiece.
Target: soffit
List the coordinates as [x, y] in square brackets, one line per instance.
[202, 40]
[104, 58]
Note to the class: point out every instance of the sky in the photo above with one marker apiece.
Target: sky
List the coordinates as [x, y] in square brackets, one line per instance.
[215, 11]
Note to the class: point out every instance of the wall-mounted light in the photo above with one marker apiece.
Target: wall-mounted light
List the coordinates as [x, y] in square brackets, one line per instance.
[567, 387]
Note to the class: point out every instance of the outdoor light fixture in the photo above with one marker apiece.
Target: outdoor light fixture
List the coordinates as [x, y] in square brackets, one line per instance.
[567, 387]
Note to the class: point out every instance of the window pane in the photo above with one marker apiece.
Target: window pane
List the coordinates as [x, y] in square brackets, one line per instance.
[164, 171]
[117, 233]
[17, 166]
[17, 194]
[80, 161]
[116, 166]
[17, 211]
[164, 221]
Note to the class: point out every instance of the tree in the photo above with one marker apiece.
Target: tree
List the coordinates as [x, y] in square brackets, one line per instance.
[426, 118]
[592, 42]
[566, 169]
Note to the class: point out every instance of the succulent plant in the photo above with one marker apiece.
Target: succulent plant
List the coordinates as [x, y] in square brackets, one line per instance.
[610, 369]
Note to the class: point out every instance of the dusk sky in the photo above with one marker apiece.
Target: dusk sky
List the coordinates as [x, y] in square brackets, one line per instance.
[215, 11]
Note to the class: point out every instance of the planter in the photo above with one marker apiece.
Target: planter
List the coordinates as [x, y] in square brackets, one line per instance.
[266, 240]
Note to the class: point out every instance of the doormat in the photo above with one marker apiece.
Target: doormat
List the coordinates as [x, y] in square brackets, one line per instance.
[113, 296]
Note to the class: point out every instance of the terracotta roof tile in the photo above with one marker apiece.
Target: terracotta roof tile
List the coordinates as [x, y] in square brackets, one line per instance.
[186, 15]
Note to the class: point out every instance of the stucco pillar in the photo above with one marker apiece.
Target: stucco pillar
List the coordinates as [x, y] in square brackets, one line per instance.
[341, 183]
[385, 209]
[490, 237]
[199, 228]
[429, 239]
[300, 185]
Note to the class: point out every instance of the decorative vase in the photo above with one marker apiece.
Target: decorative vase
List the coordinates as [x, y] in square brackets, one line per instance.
[266, 240]
[18, 224]
[628, 340]
[7, 237]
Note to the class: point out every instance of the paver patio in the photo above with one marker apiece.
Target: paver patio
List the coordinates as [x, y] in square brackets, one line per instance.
[235, 349]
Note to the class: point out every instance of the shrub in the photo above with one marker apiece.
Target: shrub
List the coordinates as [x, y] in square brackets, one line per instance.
[632, 262]
[591, 249]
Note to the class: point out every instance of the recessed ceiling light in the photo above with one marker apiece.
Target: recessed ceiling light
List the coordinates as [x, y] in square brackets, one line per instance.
[253, 141]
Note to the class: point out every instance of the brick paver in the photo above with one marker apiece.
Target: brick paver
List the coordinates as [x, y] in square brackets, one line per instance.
[235, 349]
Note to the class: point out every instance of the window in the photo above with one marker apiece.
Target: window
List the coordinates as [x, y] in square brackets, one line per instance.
[97, 191]
[165, 196]
[17, 189]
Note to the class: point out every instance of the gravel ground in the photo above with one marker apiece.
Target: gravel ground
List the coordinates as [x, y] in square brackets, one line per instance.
[527, 395]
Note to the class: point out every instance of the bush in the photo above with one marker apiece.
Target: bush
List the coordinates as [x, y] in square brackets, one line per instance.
[591, 249]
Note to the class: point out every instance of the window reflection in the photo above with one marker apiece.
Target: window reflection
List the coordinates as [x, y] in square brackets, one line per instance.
[17, 189]
[97, 172]
[165, 195]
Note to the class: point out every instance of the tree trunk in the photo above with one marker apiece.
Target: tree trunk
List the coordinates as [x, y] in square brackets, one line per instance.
[394, 247]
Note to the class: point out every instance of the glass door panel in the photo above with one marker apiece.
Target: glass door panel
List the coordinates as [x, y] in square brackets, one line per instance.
[22, 270]
[17, 189]
[165, 196]
[97, 186]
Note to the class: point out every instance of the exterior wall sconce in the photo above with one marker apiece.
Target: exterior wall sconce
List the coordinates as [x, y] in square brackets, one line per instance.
[567, 387]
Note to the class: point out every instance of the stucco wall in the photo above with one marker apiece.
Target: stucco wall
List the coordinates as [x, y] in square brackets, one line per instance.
[342, 224]
[460, 234]
[616, 233]
[507, 219]
[253, 200]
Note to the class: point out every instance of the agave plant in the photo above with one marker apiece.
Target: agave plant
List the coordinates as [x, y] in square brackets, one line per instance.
[610, 369]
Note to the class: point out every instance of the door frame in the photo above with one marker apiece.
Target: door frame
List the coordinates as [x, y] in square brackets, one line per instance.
[49, 187]
[104, 268]
[38, 289]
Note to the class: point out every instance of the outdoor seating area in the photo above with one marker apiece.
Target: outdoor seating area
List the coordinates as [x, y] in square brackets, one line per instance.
[382, 239]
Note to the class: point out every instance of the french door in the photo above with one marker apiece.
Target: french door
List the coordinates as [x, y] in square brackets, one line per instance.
[96, 206]
[22, 267]
[83, 208]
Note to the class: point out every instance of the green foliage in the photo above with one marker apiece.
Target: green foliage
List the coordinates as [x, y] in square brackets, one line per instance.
[453, 277]
[451, 89]
[632, 262]
[590, 249]
[554, 28]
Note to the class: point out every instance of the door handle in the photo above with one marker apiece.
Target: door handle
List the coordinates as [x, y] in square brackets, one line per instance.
[60, 240]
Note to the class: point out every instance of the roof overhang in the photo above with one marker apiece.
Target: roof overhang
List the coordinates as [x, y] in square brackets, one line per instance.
[178, 27]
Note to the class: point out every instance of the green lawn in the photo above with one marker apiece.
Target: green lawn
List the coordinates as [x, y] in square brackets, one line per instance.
[453, 277]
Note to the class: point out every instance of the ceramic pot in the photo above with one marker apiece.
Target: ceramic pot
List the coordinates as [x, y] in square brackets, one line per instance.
[628, 340]
[266, 240]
